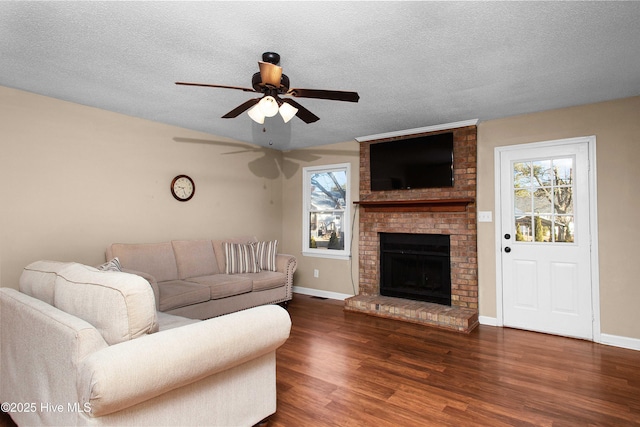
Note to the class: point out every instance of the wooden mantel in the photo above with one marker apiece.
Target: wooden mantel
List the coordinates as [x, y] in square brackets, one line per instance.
[418, 205]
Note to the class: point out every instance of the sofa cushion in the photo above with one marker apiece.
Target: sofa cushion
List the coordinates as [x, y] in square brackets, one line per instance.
[225, 285]
[266, 280]
[121, 306]
[219, 250]
[180, 293]
[156, 259]
[194, 258]
[38, 279]
[266, 253]
[240, 258]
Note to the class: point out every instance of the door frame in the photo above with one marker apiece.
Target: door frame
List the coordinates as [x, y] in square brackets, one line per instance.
[593, 225]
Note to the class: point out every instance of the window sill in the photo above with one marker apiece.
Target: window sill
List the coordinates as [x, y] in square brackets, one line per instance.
[322, 254]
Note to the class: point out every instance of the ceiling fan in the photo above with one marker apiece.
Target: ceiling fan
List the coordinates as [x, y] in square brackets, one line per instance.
[272, 84]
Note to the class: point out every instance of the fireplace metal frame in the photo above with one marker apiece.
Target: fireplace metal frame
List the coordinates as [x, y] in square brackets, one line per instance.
[415, 248]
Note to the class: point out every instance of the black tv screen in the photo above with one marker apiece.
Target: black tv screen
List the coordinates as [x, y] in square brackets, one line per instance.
[418, 162]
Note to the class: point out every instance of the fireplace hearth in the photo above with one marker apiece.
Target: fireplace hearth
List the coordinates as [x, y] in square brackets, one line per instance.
[416, 267]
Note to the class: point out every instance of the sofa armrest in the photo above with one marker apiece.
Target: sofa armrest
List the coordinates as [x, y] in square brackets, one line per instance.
[287, 264]
[132, 372]
[152, 281]
[40, 349]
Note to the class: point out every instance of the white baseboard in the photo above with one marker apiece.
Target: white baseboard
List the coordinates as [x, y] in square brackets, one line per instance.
[489, 321]
[618, 341]
[606, 339]
[320, 293]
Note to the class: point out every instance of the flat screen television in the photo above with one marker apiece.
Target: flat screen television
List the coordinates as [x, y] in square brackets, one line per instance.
[414, 162]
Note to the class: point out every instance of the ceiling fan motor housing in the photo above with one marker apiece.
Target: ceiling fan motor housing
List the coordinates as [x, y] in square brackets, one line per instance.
[256, 83]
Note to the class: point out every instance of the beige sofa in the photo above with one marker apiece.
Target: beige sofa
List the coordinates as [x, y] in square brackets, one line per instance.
[190, 277]
[87, 347]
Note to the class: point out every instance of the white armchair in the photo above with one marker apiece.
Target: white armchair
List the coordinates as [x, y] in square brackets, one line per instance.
[88, 348]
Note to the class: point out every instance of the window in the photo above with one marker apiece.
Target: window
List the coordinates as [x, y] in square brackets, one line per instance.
[326, 207]
[543, 200]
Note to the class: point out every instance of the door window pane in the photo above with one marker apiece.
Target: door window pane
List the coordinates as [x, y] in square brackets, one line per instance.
[563, 169]
[524, 228]
[522, 175]
[522, 201]
[563, 200]
[542, 174]
[564, 227]
[543, 200]
[542, 225]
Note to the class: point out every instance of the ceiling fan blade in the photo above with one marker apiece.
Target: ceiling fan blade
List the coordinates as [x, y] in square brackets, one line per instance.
[245, 89]
[241, 108]
[336, 95]
[303, 114]
[270, 73]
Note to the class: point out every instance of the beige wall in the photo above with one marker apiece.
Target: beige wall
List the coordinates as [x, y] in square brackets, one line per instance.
[75, 179]
[335, 275]
[616, 125]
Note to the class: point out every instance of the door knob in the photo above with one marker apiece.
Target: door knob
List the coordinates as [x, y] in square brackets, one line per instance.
[507, 249]
[507, 236]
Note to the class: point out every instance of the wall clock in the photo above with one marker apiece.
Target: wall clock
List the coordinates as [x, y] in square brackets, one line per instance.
[182, 188]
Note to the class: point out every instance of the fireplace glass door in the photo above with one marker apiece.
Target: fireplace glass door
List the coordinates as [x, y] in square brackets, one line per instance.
[415, 266]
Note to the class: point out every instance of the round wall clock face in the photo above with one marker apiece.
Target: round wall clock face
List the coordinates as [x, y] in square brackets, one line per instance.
[182, 188]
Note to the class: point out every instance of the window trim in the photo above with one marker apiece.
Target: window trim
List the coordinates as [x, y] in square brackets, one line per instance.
[345, 253]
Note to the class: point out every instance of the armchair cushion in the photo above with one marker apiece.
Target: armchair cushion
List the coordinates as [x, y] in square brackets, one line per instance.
[119, 305]
[38, 279]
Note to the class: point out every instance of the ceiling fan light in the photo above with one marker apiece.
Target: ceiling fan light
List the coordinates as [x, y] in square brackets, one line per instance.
[256, 114]
[268, 106]
[287, 111]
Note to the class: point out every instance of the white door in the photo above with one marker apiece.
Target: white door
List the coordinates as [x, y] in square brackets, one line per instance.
[545, 236]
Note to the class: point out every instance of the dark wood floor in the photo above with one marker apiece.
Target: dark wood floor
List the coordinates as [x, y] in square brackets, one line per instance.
[348, 369]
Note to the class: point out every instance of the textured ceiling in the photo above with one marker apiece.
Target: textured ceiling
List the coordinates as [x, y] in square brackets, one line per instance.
[414, 64]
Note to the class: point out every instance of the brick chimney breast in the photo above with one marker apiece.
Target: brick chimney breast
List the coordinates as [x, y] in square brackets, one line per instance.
[450, 211]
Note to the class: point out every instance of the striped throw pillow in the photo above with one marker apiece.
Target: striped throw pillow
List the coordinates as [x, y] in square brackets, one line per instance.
[240, 258]
[111, 265]
[266, 253]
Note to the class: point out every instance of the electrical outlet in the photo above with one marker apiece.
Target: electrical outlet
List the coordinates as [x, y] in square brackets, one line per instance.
[316, 273]
[485, 216]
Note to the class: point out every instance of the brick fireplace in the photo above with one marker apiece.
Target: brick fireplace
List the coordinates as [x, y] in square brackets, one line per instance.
[447, 211]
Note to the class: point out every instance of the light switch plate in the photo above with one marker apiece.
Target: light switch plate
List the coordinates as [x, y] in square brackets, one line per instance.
[485, 216]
